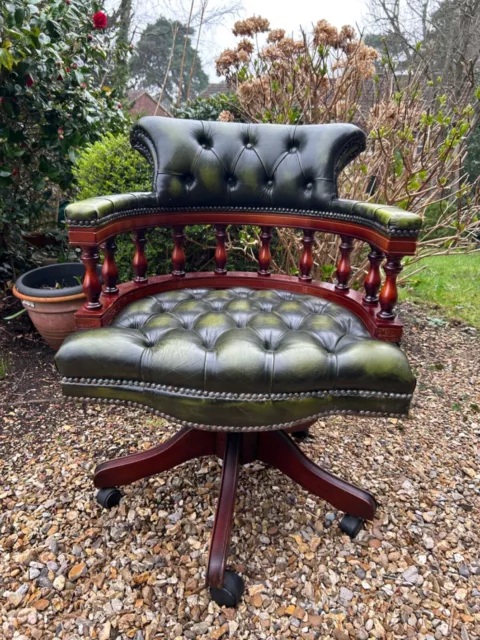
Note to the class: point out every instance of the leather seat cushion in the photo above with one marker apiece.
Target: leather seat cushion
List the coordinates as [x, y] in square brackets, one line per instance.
[238, 358]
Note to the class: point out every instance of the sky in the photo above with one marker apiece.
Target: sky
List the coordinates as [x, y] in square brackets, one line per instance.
[284, 14]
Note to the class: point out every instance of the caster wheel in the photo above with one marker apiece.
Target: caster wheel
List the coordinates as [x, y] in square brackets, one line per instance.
[300, 436]
[108, 497]
[229, 595]
[351, 525]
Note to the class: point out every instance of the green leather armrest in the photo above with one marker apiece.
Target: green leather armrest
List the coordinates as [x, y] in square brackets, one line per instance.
[390, 220]
[393, 219]
[93, 210]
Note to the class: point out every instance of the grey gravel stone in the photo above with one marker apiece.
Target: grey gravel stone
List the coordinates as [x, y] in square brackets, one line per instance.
[200, 628]
[329, 518]
[44, 582]
[463, 571]
[345, 595]
[410, 575]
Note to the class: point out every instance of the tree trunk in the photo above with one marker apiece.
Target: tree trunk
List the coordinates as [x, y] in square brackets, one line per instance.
[121, 66]
[182, 66]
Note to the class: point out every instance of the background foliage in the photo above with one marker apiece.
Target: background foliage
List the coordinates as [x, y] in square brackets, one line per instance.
[157, 62]
[52, 103]
[211, 108]
[418, 126]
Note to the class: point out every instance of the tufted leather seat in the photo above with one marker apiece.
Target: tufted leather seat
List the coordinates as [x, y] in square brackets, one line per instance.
[217, 166]
[238, 358]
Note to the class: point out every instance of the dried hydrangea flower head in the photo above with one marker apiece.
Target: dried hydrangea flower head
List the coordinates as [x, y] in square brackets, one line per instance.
[251, 26]
[275, 35]
[287, 79]
[325, 33]
[226, 116]
[245, 45]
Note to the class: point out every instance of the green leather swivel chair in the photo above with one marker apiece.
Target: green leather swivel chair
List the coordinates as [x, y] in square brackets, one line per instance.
[240, 360]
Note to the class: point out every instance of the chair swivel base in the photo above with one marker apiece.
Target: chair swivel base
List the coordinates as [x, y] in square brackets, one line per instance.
[275, 448]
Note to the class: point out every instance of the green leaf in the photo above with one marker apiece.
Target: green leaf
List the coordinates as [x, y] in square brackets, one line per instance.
[44, 39]
[46, 167]
[6, 59]
[39, 183]
[15, 315]
[5, 174]
[19, 16]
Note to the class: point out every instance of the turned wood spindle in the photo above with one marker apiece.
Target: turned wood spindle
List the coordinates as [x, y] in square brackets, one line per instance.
[140, 262]
[264, 256]
[344, 268]
[178, 254]
[91, 282]
[109, 268]
[220, 251]
[306, 261]
[374, 277]
[389, 293]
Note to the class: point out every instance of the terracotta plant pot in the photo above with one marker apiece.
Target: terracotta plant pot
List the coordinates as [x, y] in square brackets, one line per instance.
[52, 310]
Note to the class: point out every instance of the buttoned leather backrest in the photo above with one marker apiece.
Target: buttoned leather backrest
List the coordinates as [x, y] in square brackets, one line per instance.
[234, 166]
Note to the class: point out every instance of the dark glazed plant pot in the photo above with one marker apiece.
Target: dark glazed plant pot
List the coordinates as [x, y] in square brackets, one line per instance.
[51, 310]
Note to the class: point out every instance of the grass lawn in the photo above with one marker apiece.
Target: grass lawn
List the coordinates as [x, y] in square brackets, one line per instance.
[452, 281]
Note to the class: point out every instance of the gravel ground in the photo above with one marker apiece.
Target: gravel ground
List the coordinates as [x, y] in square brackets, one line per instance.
[71, 570]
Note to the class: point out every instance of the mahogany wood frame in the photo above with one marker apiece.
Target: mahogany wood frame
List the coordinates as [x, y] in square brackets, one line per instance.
[275, 448]
[375, 308]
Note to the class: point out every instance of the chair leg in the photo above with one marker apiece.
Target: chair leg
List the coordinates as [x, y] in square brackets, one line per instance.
[277, 449]
[226, 587]
[301, 432]
[185, 445]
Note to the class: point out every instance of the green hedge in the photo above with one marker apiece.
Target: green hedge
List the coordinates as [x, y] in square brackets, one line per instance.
[111, 166]
[210, 108]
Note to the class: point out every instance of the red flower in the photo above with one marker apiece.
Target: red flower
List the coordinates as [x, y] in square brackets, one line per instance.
[90, 37]
[99, 20]
[67, 69]
[28, 80]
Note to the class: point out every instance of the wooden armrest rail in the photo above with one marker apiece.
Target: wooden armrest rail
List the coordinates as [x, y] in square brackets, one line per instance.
[376, 308]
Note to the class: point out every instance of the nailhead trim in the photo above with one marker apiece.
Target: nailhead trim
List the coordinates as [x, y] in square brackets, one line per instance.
[392, 231]
[224, 395]
[243, 429]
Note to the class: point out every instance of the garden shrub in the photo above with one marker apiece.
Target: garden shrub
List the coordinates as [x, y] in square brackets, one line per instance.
[53, 55]
[211, 108]
[110, 165]
[417, 129]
